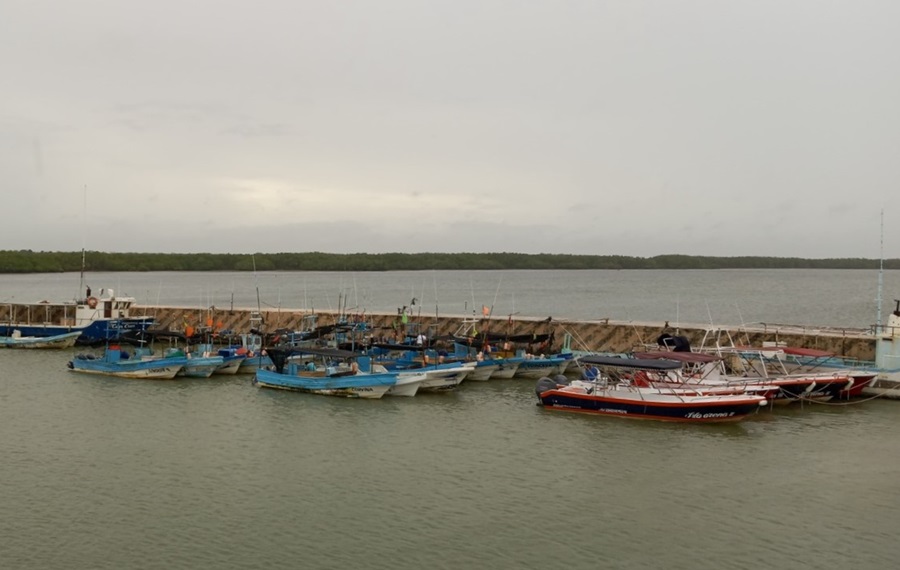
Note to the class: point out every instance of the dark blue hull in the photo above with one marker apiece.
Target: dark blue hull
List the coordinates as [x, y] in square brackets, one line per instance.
[823, 390]
[96, 333]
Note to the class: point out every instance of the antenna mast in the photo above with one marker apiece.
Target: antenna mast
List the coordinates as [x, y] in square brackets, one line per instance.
[880, 275]
[84, 222]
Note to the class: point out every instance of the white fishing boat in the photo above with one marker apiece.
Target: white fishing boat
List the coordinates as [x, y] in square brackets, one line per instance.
[443, 377]
[16, 340]
[97, 318]
[408, 383]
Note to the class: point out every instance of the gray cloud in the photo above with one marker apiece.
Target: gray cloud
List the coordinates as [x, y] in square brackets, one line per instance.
[633, 128]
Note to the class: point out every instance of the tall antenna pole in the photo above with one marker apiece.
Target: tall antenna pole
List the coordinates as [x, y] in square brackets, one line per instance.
[83, 222]
[880, 275]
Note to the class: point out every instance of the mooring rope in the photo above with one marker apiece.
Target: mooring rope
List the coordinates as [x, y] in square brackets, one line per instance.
[847, 403]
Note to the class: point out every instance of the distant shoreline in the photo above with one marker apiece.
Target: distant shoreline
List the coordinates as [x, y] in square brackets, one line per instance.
[25, 261]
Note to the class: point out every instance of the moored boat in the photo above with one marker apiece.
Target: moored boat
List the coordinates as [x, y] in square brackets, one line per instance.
[407, 384]
[621, 399]
[506, 367]
[117, 362]
[347, 380]
[16, 340]
[199, 366]
[97, 318]
[443, 377]
[231, 360]
[706, 370]
[539, 367]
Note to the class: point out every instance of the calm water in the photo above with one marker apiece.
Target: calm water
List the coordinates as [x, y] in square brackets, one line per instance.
[111, 473]
[724, 297]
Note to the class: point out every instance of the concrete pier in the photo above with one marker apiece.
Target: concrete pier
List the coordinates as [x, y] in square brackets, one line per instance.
[603, 335]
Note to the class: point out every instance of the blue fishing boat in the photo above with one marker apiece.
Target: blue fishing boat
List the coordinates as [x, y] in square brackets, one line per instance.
[231, 360]
[118, 362]
[251, 348]
[334, 372]
[539, 367]
[441, 373]
[196, 366]
[254, 361]
[200, 363]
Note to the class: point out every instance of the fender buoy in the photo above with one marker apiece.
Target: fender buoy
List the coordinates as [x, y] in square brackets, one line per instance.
[92, 302]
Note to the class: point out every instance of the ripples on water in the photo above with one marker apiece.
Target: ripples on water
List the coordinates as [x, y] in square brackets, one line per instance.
[841, 298]
[110, 473]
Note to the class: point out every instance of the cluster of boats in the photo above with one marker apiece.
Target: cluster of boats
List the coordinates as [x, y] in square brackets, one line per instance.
[722, 383]
[399, 370]
[687, 387]
[396, 370]
[671, 381]
[142, 363]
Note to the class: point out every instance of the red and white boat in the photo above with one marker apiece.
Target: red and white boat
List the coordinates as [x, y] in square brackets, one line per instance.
[614, 393]
[701, 369]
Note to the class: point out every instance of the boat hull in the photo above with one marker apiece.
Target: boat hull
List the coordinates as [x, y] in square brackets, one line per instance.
[407, 385]
[886, 385]
[704, 409]
[229, 366]
[482, 372]
[443, 380]
[200, 369]
[66, 340]
[821, 390]
[253, 363]
[97, 332]
[860, 383]
[371, 386]
[506, 368]
[137, 370]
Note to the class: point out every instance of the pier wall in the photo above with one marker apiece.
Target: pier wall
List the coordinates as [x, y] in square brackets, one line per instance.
[605, 335]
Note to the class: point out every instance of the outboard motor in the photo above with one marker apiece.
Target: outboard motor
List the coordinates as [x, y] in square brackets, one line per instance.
[674, 343]
[543, 385]
[561, 379]
[682, 344]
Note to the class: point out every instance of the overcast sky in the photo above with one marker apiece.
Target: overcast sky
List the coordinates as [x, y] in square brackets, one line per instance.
[702, 127]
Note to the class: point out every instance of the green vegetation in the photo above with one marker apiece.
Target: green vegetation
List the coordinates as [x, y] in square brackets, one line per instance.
[26, 261]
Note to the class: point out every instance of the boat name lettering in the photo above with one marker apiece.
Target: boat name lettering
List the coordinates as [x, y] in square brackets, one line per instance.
[702, 416]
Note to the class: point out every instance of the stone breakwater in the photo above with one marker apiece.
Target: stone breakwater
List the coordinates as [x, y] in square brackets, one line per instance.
[603, 335]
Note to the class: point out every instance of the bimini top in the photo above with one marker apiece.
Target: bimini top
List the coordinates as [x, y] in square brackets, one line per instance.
[646, 363]
[280, 355]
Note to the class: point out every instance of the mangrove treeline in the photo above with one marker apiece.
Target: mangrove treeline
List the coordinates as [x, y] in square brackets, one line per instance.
[26, 261]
